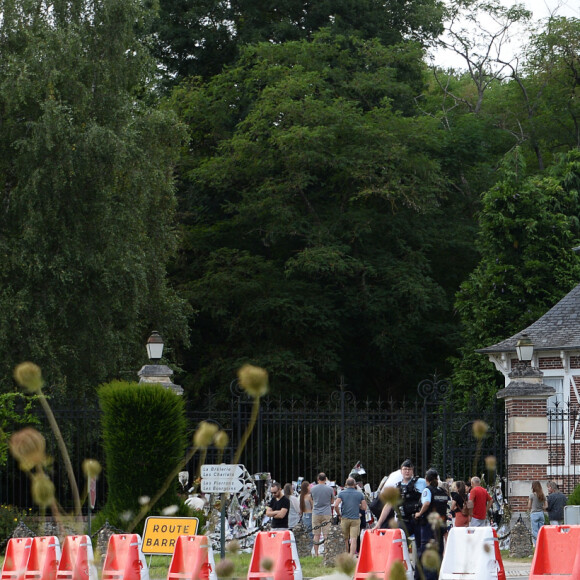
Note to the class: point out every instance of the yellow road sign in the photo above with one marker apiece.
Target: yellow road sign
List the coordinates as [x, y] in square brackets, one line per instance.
[160, 533]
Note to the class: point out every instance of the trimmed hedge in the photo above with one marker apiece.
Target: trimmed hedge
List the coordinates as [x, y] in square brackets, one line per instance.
[144, 434]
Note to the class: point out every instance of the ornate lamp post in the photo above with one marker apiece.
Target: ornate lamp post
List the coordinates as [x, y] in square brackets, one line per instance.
[525, 350]
[157, 373]
[527, 425]
[155, 347]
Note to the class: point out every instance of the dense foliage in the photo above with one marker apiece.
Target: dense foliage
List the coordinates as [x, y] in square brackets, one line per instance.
[16, 411]
[10, 517]
[313, 210]
[148, 418]
[528, 227]
[194, 38]
[86, 194]
[329, 189]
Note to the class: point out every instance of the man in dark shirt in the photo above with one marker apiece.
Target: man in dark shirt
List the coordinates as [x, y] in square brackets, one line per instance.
[556, 502]
[278, 508]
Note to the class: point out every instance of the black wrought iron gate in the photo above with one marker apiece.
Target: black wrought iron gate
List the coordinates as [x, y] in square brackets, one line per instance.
[294, 438]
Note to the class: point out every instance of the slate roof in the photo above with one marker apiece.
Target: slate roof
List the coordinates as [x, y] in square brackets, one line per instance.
[558, 329]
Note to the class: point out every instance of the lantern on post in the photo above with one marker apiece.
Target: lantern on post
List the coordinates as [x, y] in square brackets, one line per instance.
[525, 349]
[155, 347]
[157, 373]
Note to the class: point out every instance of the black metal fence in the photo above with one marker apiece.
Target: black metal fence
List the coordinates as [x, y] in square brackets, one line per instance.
[564, 445]
[294, 438]
[81, 430]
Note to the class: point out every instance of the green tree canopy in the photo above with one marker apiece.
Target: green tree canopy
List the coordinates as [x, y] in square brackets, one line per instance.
[199, 38]
[550, 87]
[528, 227]
[86, 192]
[313, 213]
[529, 100]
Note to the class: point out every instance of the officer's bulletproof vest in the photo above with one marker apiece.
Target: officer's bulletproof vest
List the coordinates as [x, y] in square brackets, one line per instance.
[410, 498]
[439, 501]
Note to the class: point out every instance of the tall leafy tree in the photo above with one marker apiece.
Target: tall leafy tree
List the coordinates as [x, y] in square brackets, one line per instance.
[312, 204]
[86, 191]
[529, 99]
[478, 32]
[528, 227]
[549, 89]
[199, 38]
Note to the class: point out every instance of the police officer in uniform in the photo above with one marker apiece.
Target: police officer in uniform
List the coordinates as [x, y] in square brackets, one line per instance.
[410, 487]
[432, 519]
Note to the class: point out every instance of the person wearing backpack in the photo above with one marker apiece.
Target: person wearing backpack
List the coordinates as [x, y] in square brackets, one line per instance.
[432, 518]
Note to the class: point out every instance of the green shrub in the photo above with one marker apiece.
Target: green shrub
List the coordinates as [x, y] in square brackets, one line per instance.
[574, 497]
[200, 515]
[16, 411]
[144, 435]
[10, 516]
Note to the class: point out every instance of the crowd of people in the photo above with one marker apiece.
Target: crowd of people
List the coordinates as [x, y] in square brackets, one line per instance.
[424, 507]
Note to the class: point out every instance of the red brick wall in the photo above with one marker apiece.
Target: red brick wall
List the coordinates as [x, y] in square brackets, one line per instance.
[554, 362]
[527, 472]
[573, 398]
[556, 454]
[518, 503]
[526, 407]
[567, 483]
[541, 441]
[527, 441]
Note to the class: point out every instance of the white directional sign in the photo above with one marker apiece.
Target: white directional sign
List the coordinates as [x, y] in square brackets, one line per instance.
[222, 478]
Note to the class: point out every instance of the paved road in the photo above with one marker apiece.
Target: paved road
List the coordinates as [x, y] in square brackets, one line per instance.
[517, 569]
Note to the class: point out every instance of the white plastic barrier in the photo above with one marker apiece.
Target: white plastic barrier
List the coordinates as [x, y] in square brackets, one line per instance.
[572, 515]
[298, 569]
[472, 554]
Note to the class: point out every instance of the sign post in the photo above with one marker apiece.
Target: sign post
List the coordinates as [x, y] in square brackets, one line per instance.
[222, 526]
[92, 489]
[222, 478]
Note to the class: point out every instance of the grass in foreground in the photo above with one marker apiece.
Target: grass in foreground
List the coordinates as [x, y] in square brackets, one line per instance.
[505, 556]
[311, 566]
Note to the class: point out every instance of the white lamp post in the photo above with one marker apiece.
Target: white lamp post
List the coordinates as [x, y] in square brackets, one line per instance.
[525, 349]
[157, 373]
[155, 347]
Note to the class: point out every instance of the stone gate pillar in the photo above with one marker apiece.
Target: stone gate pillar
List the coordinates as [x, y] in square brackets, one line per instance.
[526, 433]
